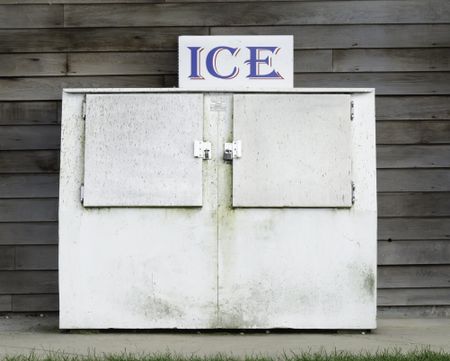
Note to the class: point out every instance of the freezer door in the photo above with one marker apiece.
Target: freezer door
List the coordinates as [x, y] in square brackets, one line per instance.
[295, 150]
[139, 150]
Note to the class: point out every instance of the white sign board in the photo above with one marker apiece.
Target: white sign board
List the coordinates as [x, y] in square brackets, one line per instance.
[235, 62]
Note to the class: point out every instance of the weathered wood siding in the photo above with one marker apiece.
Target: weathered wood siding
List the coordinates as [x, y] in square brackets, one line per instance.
[400, 47]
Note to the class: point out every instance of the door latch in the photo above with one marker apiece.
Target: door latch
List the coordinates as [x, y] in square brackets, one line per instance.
[202, 149]
[232, 150]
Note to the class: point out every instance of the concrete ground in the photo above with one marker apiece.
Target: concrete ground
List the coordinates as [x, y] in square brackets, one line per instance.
[22, 335]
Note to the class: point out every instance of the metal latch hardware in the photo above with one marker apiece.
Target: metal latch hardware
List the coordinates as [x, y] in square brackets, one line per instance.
[352, 110]
[202, 149]
[82, 193]
[353, 193]
[83, 109]
[232, 150]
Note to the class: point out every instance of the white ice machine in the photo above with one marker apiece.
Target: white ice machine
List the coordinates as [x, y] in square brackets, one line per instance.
[207, 210]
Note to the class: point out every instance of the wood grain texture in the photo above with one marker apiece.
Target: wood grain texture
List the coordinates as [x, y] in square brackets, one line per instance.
[414, 297]
[412, 107]
[12, 65]
[24, 282]
[25, 137]
[28, 233]
[35, 303]
[352, 36]
[7, 257]
[306, 61]
[413, 276]
[34, 16]
[413, 156]
[414, 252]
[413, 132]
[29, 161]
[399, 47]
[22, 113]
[123, 63]
[36, 258]
[413, 311]
[383, 60]
[5, 303]
[110, 39]
[384, 83]
[272, 13]
[81, 1]
[29, 185]
[413, 228]
[414, 204]
[413, 180]
[46, 88]
[28, 210]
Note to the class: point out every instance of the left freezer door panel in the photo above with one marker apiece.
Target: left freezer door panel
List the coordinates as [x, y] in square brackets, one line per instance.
[139, 150]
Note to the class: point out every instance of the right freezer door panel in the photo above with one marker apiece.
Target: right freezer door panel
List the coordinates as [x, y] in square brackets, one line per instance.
[296, 150]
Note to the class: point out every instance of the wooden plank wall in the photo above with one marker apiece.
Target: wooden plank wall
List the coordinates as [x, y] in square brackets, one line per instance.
[400, 47]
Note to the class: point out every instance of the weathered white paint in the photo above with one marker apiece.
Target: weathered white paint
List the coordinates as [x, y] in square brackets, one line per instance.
[217, 266]
[139, 150]
[296, 150]
[236, 62]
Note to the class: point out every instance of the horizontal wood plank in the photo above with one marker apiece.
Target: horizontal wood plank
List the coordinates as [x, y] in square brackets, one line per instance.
[414, 297]
[413, 276]
[313, 61]
[414, 204]
[110, 39]
[384, 83]
[413, 132]
[28, 233]
[352, 36]
[413, 228]
[412, 107]
[384, 60]
[32, 64]
[35, 303]
[29, 210]
[27, 137]
[413, 156]
[123, 63]
[36, 257]
[414, 252]
[413, 180]
[50, 88]
[5, 303]
[273, 13]
[29, 185]
[28, 113]
[29, 161]
[25, 282]
[7, 257]
[33, 16]
[413, 312]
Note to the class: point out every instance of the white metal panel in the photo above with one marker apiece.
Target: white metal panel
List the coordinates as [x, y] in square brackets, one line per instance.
[133, 267]
[295, 150]
[310, 268]
[139, 150]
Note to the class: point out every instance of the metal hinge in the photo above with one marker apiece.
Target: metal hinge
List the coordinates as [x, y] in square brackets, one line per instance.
[202, 149]
[353, 193]
[83, 109]
[232, 150]
[82, 193]
[352, 110]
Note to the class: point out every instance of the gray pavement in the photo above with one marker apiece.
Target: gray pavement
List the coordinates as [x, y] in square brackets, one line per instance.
[21, 335]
